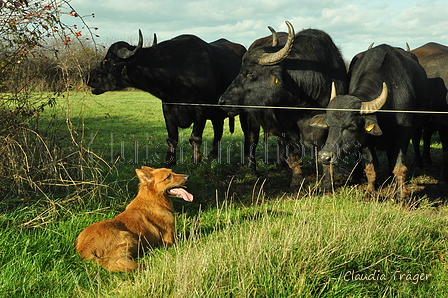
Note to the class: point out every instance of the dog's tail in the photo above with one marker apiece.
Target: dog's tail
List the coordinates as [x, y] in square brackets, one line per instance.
[114, 254]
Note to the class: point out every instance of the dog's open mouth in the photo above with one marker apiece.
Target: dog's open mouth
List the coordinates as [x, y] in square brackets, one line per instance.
[181, 193]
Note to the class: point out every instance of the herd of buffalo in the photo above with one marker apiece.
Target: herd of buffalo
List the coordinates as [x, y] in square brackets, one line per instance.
[297, 87]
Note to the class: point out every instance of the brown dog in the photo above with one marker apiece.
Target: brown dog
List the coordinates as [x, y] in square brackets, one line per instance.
[148, 221]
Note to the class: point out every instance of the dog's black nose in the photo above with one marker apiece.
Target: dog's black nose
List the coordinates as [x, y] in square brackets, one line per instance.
[186, 177]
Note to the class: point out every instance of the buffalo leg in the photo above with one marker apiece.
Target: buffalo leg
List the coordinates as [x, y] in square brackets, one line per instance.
[327, 178]
[251, 130]
[196, 140]
[295, 161]
[443, 134]
[397, 161]
[170, 157]
[400, 177]
[218, 127]
[416, 136]
[357, 169]
[427, 134]
[281, 153]
[172, 139]
[370, 167]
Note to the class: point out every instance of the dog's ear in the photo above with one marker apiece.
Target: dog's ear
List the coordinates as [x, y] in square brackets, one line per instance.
[143, 176]
[148, 169]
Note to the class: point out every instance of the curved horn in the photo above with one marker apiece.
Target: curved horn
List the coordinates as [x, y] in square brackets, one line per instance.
[333, 91]
[371, 45]
[274, 36]
[280, 55]
[154, 41]
[408, 48]
[369, 107]
[125, 53]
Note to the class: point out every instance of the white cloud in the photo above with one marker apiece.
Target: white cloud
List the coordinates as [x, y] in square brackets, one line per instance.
[353, 25]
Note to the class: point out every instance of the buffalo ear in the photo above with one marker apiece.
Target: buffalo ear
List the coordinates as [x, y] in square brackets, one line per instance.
[318, 121]
[371, 126]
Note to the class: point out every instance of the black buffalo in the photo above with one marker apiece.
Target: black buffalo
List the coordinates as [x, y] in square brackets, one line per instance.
[434, 59]
[298, 74]
[179, 71]
[253, 126]
[382, 78]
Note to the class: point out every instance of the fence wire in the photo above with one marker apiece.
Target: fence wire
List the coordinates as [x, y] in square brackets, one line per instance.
[302, 108]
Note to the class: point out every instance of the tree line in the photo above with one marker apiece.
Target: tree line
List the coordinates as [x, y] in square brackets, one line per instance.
[49, 69]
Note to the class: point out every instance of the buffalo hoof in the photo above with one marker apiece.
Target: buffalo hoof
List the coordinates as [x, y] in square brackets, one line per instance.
[371, 196]
[326, 185]
[356, 180]
[213, 154]
[170, 159]
[196, 159]
[169, 163]
[252, 166]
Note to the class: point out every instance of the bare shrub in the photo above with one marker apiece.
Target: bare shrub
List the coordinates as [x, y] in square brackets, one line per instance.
[40, 53]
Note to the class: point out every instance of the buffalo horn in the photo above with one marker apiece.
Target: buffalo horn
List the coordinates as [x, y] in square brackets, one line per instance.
[333, 91]
[369, 107]
[408, 48]
[274, 36]
[280, 55]
[125, 53]
[371, 46]
[154, 41]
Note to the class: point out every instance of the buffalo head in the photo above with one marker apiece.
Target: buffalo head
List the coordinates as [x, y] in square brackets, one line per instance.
[349, 120]
[260, 81]
[111, 74]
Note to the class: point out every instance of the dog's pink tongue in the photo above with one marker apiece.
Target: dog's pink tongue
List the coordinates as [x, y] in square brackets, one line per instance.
[181, 193]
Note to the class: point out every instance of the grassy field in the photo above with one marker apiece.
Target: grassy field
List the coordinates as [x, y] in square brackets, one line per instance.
[243, 236]
[131, 125]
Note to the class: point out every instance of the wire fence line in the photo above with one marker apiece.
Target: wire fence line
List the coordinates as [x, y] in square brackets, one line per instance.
[136, 150]
[296, 108]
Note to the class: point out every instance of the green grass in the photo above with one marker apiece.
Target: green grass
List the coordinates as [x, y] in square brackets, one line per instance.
[243, 236]
[282, 248]
[131, 125]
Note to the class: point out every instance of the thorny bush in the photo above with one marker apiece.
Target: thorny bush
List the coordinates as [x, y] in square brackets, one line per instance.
[38, 52]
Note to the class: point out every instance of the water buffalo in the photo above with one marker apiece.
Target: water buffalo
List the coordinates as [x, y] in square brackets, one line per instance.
[253, 126]
[434, 59]
[179, 71]
[382, 78]
[297, 74]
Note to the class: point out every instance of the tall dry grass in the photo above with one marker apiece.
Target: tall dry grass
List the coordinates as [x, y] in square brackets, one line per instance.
[313, 247]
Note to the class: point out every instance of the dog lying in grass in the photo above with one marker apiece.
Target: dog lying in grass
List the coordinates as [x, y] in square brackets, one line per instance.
[148, 221]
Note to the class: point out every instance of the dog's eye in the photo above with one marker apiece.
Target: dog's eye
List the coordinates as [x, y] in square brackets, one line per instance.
[169, 177]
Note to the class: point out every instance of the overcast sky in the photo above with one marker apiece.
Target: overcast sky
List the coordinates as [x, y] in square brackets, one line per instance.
[353, 25]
